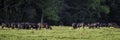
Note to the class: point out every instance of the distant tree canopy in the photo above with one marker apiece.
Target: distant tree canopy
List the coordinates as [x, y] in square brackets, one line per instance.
[60, 11]
[28, 10]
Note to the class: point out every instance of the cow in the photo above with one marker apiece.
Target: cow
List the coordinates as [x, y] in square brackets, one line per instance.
[113, 25]
[44, 25]
[14, 25]
[94, 25]
[74, 25]
[20, 26]
[25, 25]
[34, 26]
[3, 25]
[103, 25]
[80, 25]
[29, 25]
[47, 26]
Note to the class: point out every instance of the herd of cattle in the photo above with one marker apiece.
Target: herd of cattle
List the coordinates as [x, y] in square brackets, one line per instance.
[47, 26]
[25, 25]
[94, 25]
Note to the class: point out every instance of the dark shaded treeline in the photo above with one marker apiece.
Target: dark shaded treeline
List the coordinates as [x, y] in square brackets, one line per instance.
[60, 12]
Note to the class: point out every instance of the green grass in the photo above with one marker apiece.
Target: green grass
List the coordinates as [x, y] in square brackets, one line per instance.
[61, 33]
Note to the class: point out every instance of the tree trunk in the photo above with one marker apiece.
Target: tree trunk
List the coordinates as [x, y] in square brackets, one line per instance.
[42, 18]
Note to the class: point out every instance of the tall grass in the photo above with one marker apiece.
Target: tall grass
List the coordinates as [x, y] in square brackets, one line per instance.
[61, 33]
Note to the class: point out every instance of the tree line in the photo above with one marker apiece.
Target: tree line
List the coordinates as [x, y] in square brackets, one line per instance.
[57, 12]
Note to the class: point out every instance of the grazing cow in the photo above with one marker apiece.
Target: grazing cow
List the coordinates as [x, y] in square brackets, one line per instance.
[47, 26]
[103, 24]
[14, 25]
[3, 25]
[40, 25]
[26, 25]
[44, 25]
[81, 25]
[74, 25]
[20, 26]
[113, 25]
[94, 25]
[34, 26]
[29, 25]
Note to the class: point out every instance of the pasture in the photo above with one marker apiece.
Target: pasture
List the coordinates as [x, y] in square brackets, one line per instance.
[61, 33]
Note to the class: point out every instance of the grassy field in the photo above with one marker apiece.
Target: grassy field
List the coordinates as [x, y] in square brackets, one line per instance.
[61, 33]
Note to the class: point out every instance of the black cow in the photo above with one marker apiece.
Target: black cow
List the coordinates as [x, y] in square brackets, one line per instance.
[81, 25]
[24, 25]
[7, 25]
[74, 25]
[103, 24]
[94, 25]
[113, 25]
[47, 26]
[34, 26]
[14, 25]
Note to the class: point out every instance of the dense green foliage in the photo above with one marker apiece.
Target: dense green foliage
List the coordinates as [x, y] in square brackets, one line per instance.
[59, 11]
[61, 33]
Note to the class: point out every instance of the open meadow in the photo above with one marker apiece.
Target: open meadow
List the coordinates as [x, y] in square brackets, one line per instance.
[61, 33]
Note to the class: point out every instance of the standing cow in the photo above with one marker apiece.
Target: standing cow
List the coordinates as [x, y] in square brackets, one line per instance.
[14, 25]
[20, 26]
[74, 25]
[35, 26]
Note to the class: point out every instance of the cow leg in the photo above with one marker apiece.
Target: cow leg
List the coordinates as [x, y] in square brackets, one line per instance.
[2, 27]
[48, 27]
[83, 27]
[40, 27]
[74, 27]
[90, 27]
